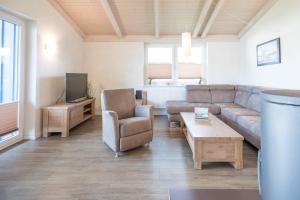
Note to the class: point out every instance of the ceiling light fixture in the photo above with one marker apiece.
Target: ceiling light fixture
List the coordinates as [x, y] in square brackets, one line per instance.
[186, 39]
[186, 43]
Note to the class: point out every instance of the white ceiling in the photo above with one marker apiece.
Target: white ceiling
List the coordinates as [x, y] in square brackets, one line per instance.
[163, 17]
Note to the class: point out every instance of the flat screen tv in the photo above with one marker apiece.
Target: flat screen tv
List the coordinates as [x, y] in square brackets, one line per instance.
[76, 87]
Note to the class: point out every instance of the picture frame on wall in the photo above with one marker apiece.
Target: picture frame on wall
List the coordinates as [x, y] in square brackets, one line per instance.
[269, 53]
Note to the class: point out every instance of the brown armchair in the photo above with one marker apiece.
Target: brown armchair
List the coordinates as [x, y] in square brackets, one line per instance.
[125, 125]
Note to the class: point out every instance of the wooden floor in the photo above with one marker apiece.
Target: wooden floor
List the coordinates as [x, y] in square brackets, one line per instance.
[82, 167]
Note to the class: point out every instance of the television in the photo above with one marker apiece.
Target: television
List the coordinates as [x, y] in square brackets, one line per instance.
[76, 87]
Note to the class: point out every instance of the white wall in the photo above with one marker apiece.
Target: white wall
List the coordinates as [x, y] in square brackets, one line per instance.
[121, 64]
[282, 20]
[222, 62]
[49, 70]
[112, 65]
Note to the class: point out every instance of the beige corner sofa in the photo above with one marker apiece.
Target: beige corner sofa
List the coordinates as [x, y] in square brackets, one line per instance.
[238, 106]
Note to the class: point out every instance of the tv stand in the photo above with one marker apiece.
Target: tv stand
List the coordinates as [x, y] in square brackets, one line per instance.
[78, 100]
[64, 116]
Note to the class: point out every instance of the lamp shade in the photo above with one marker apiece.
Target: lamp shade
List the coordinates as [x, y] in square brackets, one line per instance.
[186, 43]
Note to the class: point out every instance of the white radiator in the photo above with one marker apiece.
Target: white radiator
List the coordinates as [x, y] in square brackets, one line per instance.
[158, 95]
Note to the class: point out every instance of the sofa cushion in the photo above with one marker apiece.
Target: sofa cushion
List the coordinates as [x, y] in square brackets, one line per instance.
[222, 93]
[234, 113]
[251, 123]
[134, 125]
[198, 94]
[242, 95]
[221, 87]
[254, 102]
[175, 107]
[228, 105]
[197, 87]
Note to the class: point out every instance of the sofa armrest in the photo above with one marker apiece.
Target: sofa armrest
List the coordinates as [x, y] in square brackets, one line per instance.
[145, 111]
[111, 135]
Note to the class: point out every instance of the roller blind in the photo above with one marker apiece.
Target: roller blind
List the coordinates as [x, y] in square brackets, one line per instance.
[159, 71]
[8, 117]
[188, 71]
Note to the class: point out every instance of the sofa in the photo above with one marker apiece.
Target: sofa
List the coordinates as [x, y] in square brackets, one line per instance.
[238, 106]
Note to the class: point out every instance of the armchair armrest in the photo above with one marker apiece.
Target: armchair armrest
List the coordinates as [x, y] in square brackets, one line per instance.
[111, 135]
[145, 111]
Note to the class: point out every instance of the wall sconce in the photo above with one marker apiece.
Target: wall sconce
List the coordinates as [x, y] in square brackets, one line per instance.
[50, 47]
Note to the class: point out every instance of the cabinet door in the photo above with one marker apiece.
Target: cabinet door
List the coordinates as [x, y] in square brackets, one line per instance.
[55, 120]
[76, 116]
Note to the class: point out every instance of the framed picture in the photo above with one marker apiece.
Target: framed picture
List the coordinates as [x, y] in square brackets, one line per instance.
[268, 53]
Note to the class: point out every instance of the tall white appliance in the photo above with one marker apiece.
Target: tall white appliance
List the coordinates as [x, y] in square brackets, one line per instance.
[279, 160]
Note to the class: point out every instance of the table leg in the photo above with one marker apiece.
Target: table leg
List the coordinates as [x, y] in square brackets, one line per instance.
[238, 164]
[45, 123]
[65, 131]
[197, 154]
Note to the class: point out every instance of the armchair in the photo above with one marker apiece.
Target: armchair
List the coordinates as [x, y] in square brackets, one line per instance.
[125, 125]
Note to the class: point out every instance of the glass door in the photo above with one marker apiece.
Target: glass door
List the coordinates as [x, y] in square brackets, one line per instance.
[10, 36]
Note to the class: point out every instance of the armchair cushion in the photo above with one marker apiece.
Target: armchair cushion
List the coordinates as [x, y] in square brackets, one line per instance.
[134, 125]
[122, 101]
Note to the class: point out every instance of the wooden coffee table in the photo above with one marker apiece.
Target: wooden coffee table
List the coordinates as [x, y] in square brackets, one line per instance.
[212, 140]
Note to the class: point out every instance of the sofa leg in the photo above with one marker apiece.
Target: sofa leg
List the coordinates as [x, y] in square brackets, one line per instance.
[117, 154]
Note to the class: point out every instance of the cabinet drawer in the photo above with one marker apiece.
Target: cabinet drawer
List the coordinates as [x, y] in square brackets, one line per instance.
[218, 151]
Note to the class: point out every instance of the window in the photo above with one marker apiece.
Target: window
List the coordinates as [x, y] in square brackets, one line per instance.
[166, 65]
[9, 37]
[159, 65]
[189, 68]
[9, 78]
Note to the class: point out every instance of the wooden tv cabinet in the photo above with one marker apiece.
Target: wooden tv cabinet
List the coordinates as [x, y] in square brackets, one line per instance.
[64, 116]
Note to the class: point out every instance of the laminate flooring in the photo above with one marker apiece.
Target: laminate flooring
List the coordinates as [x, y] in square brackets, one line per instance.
[81, 167]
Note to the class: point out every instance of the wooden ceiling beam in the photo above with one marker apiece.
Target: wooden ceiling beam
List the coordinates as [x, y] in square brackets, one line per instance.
[212, 18]
[259, 15]
[202, 17]
[112, 18]
[61, 11]
[156, 17]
